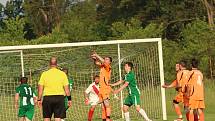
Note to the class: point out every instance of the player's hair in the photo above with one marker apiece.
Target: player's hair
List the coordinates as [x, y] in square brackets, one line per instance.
[65, 69]
[53, 61]
[194, 63]
[96, 76]
[130, 64]
[109, 58]
[183, 63]
[23, 80]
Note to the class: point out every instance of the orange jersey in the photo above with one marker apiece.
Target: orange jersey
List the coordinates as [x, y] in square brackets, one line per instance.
[105, 74]
[174, 83]
[195, 86]
[182, 78]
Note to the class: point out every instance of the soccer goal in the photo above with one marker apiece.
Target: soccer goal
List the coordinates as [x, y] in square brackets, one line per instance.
[32, 60]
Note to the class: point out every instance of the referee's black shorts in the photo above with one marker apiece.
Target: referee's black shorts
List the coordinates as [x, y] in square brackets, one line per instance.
[54, 104]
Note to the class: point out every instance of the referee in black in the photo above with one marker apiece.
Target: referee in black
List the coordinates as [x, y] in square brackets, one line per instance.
[53, 86]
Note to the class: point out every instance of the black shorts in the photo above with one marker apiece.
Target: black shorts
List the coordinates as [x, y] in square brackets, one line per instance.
[54, 104]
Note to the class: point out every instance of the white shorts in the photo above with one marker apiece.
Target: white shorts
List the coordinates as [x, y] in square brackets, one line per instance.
[94, 102]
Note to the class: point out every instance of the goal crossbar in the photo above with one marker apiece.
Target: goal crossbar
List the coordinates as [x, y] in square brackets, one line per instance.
[11, 49]
[26, 47]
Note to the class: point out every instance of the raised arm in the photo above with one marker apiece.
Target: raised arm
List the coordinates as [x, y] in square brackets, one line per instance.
[97, 57]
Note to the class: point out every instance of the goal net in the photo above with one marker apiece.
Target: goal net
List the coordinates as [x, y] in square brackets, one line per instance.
[32, 60]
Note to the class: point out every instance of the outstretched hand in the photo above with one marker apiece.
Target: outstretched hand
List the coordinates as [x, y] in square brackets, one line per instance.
[164, 86]
[94, 55]
[116, 91]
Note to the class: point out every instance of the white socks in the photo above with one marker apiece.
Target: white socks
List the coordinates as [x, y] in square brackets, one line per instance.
[143, 113]
[127, 117]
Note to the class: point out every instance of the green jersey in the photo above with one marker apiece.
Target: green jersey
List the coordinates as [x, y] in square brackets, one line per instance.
[70, 84]
[70, 87]
[132, 86]
[26, 94]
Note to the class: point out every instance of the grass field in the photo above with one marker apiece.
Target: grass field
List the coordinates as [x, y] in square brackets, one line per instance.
[209, 100]
[79, 113]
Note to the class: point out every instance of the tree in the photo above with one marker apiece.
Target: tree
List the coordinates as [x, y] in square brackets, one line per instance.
[198, 39]
[133, 30]
[45, 15]
[14, 8]
[209, 5]
[14, 30]
[80, 23]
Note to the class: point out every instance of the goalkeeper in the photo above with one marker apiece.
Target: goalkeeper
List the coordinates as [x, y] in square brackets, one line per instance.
[25, 99]
[91, 96]
[133, 97]
[105, 89]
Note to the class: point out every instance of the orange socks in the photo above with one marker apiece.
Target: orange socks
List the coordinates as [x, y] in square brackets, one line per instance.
[201, 117]
[178, 111]
[108, 111]
[191, 117]
[104, 113]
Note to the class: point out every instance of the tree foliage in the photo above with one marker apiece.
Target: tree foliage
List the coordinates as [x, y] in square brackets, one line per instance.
[187, 32]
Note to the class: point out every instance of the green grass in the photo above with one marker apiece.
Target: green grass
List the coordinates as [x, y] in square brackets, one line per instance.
[78, 111]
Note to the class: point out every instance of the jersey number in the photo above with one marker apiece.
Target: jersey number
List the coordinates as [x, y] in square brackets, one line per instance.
[28, 91]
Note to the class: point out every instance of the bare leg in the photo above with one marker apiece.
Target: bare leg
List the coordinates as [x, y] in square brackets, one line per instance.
[142, 112]
[126, 113]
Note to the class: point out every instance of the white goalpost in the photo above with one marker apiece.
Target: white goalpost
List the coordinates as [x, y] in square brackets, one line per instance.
[146, 54]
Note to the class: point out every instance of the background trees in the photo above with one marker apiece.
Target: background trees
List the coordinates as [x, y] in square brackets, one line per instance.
[186, 26]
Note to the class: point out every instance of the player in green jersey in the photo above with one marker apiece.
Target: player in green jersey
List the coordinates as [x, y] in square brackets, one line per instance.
[25, 99]
[70, 86]
[133, 97]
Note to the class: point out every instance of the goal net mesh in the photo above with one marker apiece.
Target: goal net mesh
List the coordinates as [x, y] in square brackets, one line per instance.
[144, 56]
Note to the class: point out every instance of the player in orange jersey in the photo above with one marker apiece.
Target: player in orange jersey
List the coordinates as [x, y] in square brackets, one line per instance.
[105, 89]
[179, 97]
[181, 79]
[195, 92]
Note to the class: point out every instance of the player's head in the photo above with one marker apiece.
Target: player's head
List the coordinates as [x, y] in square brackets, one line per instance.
[128, 66]
[194, 63]
[182, 64]
[108, 60]
[23, 80]
[53, 62]
[177, 67]
[96, 79]
[65, 70]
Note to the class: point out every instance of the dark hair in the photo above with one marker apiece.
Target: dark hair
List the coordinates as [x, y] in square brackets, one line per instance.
[183, 63]
[65, 69]
[96, 76]
[130, 64]
[23, 80]
[109, 58]
[194, 63]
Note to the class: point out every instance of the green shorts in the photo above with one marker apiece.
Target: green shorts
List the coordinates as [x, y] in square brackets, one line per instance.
[132, 100]
[26, 111]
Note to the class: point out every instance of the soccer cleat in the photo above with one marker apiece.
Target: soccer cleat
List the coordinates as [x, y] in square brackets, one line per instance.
[179, 119]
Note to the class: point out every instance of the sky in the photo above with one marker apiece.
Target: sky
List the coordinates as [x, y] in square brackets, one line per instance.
[3, 2]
